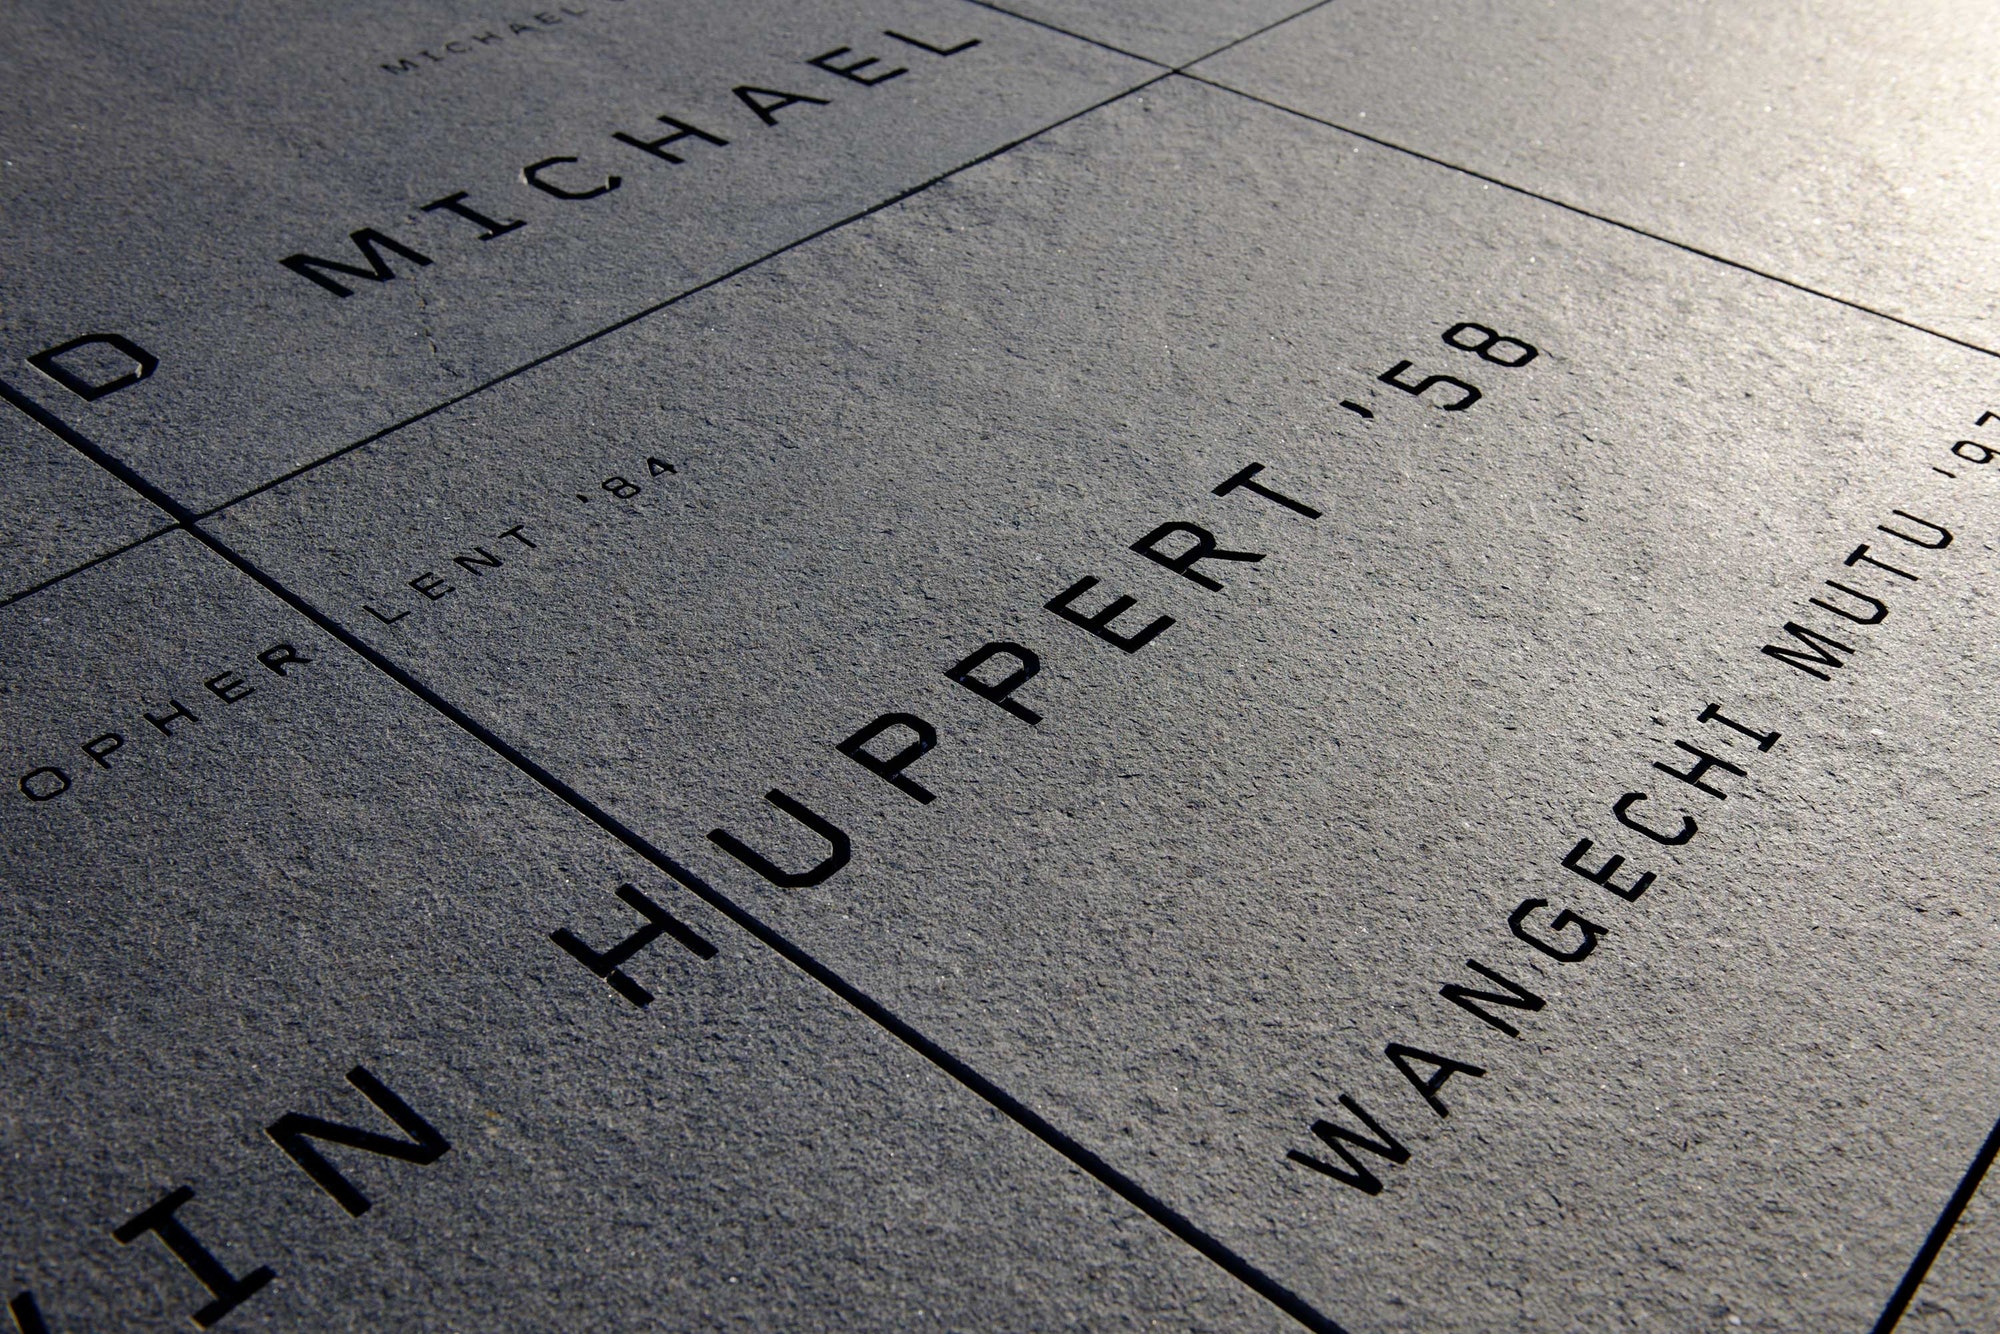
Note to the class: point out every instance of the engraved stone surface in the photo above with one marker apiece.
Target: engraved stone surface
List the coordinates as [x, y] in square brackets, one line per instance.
[292, 129]
[1560, 533]
[877, 664]
[58, 509]
[1844, 146]
[305, 895]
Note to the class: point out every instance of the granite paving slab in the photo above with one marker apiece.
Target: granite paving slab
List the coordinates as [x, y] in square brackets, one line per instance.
[58, 510]
[289, 1044]
[1447, 740]
[241, 239]
[1843, 146]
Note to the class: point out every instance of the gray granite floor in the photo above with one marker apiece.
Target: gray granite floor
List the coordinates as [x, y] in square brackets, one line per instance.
[907, 663]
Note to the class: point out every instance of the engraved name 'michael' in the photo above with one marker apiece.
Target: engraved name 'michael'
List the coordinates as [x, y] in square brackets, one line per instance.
[96, 365]
[567, 177]
[498, 34]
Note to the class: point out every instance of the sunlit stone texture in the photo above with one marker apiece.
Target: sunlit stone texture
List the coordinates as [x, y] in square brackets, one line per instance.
[1193, 905]
[1846, 146]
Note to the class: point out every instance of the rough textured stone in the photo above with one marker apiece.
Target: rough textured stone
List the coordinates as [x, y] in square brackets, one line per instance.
[210, 932]
[286, 133]
[1843, 145]
[1183, 914]
[57, 509]
[1962, 1291]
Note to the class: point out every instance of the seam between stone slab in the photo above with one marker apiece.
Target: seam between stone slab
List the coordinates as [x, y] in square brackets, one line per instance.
[1119, 50]
[1236, 42]
[1920, 1267]
[1076, 36]
[9, 394]
[1158, 1210]
[676, 298]
[8, 601]
[1580, 211]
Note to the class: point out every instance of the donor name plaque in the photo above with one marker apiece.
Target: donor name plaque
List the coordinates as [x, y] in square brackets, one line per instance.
[985, 667]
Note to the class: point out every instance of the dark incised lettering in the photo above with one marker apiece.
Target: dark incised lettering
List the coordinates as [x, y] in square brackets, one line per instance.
[1695, 774]
[1622, 810]
[768, 102]
[280, 656]
[229, 687]
[489, 227]
[370, 243]
[485, 560]
[1860, 556]
[1026, 665]
[1939, 543]
[1202, 548]
[1517, 922]
[823, 870]
[161, 1219]
[27, 1315]
[294, 1131]
[1338, 1137]
[131, 362]
[1713, 714]
[1823, 648]
[164, 722]
[1099, 623]
[926, 46]
[1242, 480]
[852, 70]
[1603, 874]
[1442, 1069]
[658, 147]
[1878, 613]
[1986, 454]
[1515, 997]
[610, 964]
[44, 784]
[890, 768]
[532, 174]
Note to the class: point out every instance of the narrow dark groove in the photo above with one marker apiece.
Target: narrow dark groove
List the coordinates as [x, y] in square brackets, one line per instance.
[1065, 32]
[1022, 1115]
[104, 459]
[1119, 50]
[55, 579]
[1231, 45]
[1920, 1267]
[675, 299]
[1582, 212]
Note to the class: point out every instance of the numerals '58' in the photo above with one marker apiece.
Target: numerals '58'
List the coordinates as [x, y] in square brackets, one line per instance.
[1489, 345]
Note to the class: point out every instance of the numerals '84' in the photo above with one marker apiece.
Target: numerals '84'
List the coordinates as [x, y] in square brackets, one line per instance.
[1488, 345]
[624, 488]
